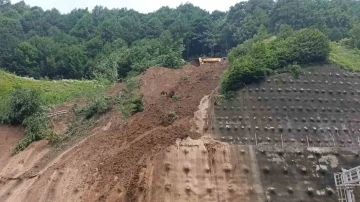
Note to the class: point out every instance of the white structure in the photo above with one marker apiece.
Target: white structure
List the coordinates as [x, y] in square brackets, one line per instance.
[345, 182]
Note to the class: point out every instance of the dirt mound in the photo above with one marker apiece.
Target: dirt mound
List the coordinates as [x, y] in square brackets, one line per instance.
[108, 165]
[145, 135]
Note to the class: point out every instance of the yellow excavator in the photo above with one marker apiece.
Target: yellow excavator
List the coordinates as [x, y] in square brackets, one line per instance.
[210, 60]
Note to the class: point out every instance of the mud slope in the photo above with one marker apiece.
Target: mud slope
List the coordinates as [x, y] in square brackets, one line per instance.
[111, 164]
[9, 136]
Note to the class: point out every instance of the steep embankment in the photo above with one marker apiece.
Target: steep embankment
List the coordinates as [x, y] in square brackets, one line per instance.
[9, 136]
[111, 164]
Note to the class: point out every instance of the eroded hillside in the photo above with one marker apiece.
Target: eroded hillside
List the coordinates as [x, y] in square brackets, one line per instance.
[108, 165]
[278, 140]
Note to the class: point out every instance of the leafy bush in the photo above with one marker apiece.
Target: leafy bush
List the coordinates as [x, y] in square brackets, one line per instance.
[254, 60]
[168, 119]
[130, 103]
[37, 128]
[22, 104]
[294, 70]
[132, 83]
[98, 106]
[345, 42]
[305, 46]
[4, 112]
[176, 98]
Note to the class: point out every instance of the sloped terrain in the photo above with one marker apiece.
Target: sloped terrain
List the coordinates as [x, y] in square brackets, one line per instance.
[302, 131]
[108, 165]
[279, 140]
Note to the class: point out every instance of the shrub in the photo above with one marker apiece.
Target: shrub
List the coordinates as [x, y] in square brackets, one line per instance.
[345, 42]
[37, 128]
[4, 112]
[176, 98]
[134, 104]
[168, 119]
[294, 70]
[308, 46]
[253, 61]
[98, 106]
[132, 83]
[22, 104]
[130, 103]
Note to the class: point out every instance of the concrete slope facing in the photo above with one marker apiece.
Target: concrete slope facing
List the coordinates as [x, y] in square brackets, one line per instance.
[301, 131]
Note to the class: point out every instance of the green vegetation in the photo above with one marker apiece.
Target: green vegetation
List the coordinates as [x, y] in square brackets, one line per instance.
[169, 118]
[265, 37]
[294, 70]
[176, 98]
[130, 104]
[22, 99]
[345, 57]
[37, 128]
[255, 59]
[98, 106]
[50, 92]
[112, 43]
[22, 104]
[129, 100]
[24, 107]
[354, 41]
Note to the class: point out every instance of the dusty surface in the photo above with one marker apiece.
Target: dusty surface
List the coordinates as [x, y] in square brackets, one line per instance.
[109, 164]
[9, 136]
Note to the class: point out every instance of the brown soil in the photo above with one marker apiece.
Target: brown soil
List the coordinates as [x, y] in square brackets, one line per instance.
[111, 164]
[9, 137]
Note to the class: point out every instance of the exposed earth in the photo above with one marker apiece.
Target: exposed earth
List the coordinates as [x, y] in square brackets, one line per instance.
[279, 140]
[115, 162]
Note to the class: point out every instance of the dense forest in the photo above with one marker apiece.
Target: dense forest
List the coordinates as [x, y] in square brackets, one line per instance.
[113, 43]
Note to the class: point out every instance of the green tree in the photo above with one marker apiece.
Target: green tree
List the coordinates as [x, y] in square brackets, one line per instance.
[355, 36]
[285, 31]
[308, 46]
[11, 33]
[84, 28]
[72, 61]
[255, 59]
[23, 103]
[25, 60]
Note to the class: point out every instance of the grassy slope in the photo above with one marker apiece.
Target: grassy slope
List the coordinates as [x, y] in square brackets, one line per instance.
[51, 92]
[346, 58]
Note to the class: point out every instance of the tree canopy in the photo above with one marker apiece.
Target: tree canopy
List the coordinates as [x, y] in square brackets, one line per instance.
[113, 42]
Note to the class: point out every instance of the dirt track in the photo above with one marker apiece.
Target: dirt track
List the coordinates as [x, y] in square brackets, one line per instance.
[115, 162]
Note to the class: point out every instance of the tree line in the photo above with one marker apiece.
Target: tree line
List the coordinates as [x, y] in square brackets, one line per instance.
[113, 43]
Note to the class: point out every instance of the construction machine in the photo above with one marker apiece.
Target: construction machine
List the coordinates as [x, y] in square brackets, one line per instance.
[210, 60]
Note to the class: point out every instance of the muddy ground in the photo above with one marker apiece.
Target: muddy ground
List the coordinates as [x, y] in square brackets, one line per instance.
[117, 160]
